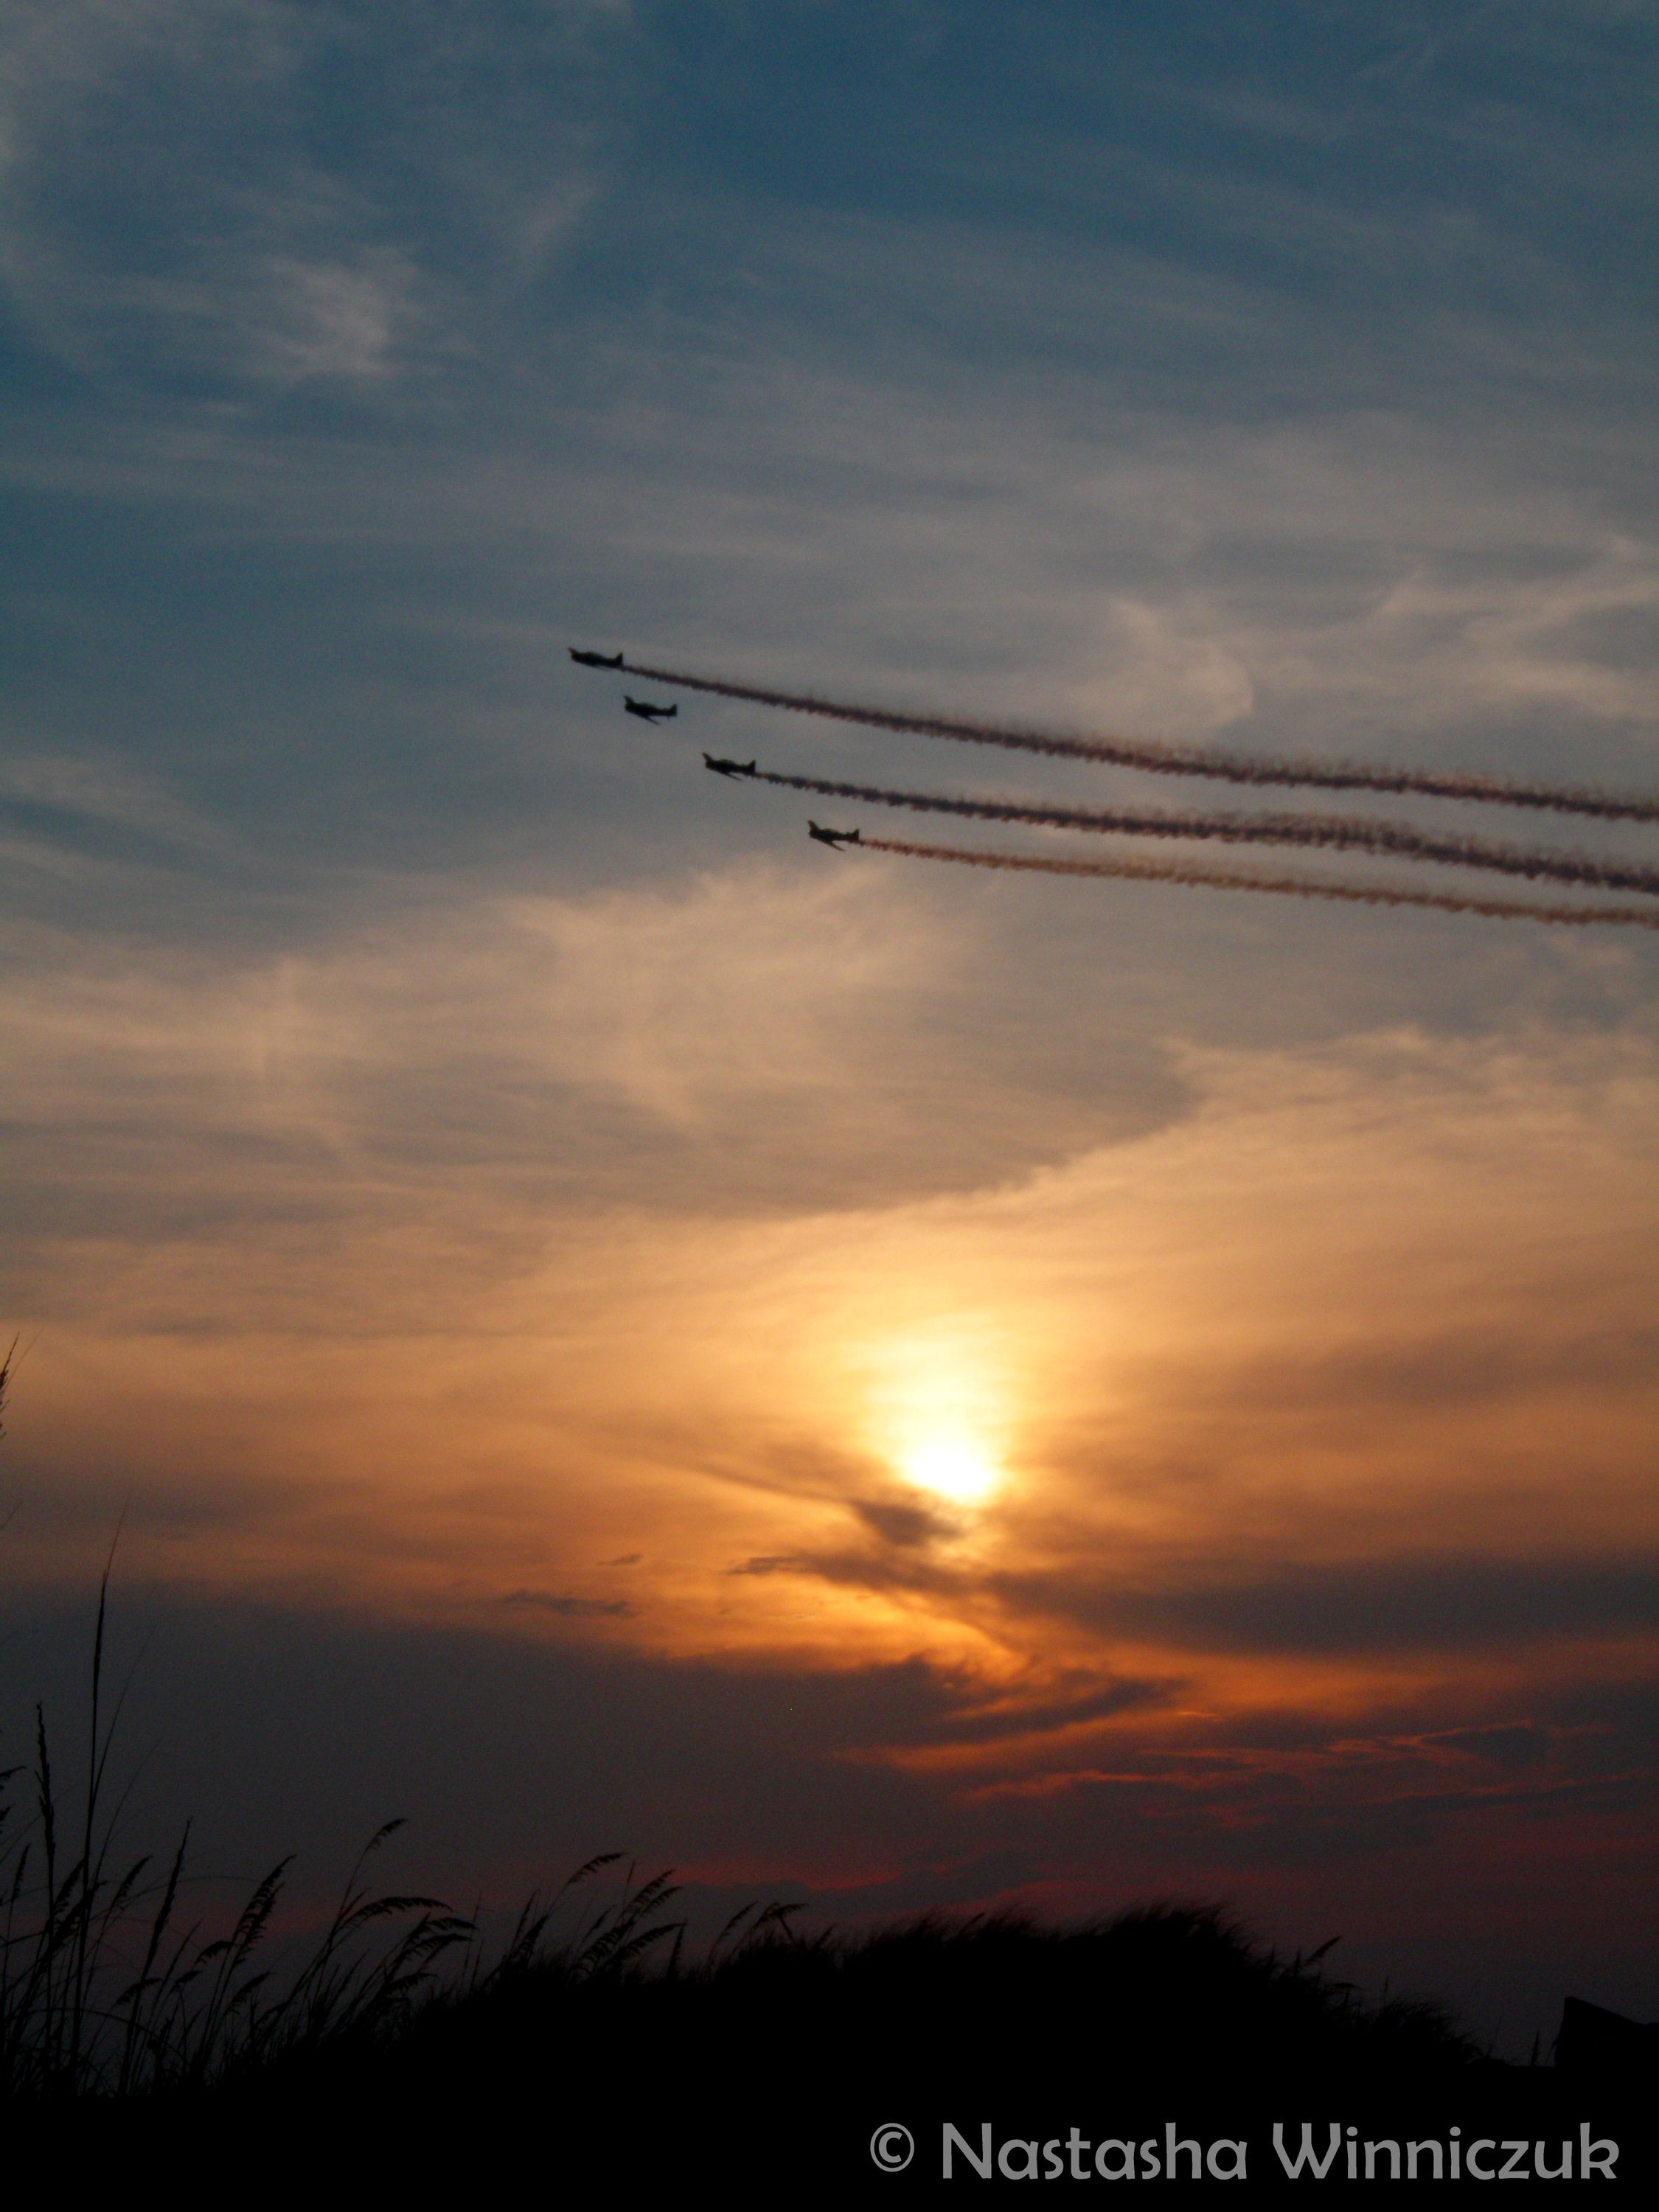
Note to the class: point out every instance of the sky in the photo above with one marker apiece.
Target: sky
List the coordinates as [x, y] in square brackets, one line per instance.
[606, 1324]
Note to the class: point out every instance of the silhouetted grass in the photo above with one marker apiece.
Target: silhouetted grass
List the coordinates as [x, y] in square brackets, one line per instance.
[108, 1992]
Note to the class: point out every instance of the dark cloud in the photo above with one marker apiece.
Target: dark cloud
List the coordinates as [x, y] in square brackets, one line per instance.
[1452, 1367]
[906, 1524]
[873, 1570]
[1369, 1605]
[569, 1608]
[1016, 1718]
[284, 1728]
[1382, 1605]
[1512, 1746]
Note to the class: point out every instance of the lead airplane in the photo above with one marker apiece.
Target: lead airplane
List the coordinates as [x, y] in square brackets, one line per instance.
[595, 659]
[727, 767]
[647, 713]
[834, 838]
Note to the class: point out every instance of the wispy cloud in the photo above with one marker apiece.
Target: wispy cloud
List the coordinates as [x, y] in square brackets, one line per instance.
[185, 202]
[103, 790]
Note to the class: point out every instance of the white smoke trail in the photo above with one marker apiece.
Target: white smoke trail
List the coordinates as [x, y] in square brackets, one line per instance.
[1173, 872]
[1187, 760]
[1314, 832]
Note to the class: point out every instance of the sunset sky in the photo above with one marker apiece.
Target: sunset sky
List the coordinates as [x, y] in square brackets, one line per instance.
[613, 1326]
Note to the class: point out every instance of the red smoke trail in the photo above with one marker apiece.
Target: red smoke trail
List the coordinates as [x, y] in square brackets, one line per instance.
[1187, 760]
[1166, 872]
[1315, 832]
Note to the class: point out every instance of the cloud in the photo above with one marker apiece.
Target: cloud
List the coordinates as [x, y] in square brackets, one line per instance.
[101, 789]
[749, 1039]
[735, 991]
[569, 1608]
[1504, 645]
[187, 200]
[332, 318]
[1412, 1604]
[1341, 1368]
[902, 1522]
[673, 1002]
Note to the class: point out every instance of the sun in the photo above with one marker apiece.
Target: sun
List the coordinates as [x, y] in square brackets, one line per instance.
[939, 1407]
[951, 1466]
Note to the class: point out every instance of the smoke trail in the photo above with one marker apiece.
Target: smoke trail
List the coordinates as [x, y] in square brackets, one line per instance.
[1168, 872]
[1315, 832]
[1187, 760]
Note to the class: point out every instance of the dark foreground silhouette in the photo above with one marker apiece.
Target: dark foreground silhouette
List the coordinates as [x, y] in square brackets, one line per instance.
[798, 2070]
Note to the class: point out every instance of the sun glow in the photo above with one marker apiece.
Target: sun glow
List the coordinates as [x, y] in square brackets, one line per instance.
[939, 1399]
[951, 1466]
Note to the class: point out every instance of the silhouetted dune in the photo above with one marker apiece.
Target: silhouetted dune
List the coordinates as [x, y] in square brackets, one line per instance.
[768, 2075]
[1595, 2044]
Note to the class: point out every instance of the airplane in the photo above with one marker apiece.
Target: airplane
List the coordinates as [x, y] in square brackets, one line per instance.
[728, 767]
[647, 712]
[834, 838]
[596, 660]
